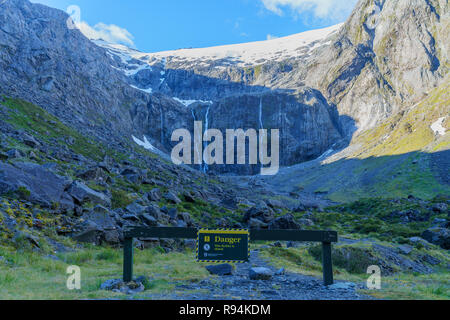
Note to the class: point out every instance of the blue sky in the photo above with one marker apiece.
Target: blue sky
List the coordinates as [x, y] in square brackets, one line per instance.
[157, 25]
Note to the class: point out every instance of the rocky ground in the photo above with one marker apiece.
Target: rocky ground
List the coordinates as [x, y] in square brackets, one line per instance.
[258, 280]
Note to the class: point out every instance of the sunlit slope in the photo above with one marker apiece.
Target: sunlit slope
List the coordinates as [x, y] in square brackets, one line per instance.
[402, 156]
[410, 130]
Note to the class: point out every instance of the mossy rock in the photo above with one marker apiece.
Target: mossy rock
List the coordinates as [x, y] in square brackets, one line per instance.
[353, 259]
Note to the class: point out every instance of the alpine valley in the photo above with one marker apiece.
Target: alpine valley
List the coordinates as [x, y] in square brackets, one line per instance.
[85, 140]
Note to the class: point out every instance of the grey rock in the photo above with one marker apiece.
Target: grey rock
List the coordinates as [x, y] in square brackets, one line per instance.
[284, 222]
[260, 273]
[30, 176]
[220, 269]
[257, 224]
[154, 195]
[135, 208]
[440, 207]
[149, 220]
[82, 194]
[419, 240]
[430, 259]
[171, 197]
[438, 236]
[405, 249]
[305, 222]
[117, 285]
[342, 286]
[30, 141]
[262, 213]
[14, 153]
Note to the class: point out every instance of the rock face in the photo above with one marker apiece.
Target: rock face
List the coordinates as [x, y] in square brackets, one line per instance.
[383, 59]
[346, 78]
[25, 179]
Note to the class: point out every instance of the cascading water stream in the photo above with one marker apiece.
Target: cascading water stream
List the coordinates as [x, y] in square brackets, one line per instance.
[260, 127]
[162, 125]
[205, 165]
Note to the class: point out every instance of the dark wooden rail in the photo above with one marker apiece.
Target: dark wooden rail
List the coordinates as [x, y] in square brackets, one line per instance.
[326, 237]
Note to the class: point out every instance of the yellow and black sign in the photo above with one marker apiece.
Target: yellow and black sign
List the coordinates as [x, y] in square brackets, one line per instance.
[223, 245]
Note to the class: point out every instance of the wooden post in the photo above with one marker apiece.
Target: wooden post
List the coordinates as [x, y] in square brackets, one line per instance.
[327, 265]
[128, 260]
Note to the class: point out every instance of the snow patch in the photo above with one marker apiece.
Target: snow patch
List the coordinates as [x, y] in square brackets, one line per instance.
[326, 154]
[252, 53]
[242, 55]
[149, 90]
[187, 103]
[437, 127]
[145, 144]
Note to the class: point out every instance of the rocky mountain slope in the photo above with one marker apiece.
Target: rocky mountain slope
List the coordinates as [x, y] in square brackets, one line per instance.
[363, 109]
[385, 58]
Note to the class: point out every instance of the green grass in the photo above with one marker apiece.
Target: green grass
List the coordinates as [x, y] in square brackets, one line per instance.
[30, 117]
[41, 124]
[28, 275]
[400, 286]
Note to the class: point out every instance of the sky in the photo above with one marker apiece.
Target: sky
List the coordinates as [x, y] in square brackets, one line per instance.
[159, 25]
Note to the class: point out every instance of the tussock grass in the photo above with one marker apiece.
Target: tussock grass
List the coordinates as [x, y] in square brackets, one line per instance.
[31, 275]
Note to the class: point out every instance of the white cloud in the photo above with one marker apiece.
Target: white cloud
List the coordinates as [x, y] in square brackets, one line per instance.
[108, 32]
[323, 9]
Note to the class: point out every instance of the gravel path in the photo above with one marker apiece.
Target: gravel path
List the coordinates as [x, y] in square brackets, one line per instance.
[286, 286]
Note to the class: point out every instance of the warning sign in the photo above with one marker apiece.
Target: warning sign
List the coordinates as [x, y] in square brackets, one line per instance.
[223, 245]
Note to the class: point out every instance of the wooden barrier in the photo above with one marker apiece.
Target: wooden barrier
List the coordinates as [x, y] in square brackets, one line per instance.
[325, 237]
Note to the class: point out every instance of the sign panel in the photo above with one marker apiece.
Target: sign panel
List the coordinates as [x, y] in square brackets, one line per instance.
[223, 245]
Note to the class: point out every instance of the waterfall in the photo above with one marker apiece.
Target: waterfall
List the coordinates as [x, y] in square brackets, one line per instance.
[260, 127]
[162, 125]
[205, 165]
[195, 119]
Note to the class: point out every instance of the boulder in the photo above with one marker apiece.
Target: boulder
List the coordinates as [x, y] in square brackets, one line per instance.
[30, 141]
[41, 185]
[117, 285]
[305, 222]
[254, 223]
[149, 220]
[262, 213]
[404, 249]
[171, 197]
[186, 217]
[260, 273]
[285, 222]
[430, 259]
[135, 209]
[98, 227]
[154, 195]
[220, 269]
[100, 216]
[97, 173]
[154, 211]
[440, 207]
[82, 194]
[438, 236]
